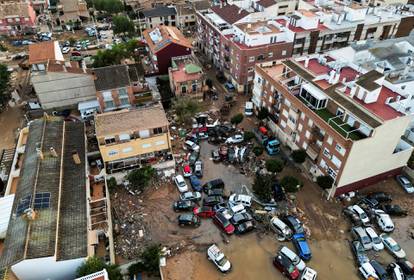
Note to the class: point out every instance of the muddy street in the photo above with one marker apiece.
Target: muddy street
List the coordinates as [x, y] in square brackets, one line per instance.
[10, 121]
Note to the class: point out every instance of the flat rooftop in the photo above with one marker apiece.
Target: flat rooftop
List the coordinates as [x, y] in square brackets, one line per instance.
[258, 27]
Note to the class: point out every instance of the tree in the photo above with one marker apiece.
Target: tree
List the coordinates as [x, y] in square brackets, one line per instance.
[262, 187]
[123, 25]
[109, 6]
[185, 108]
[274, 165]
[248, 135]
[290, 184]
[325, 182]
[236, 119]
[4, 85]
[95, 264]
[110, 57]
[135, 268]
[263, 113]
[151, 258]
[257, 150]
[140, 178]
[299, 156]
[111, 183]
[209, 83]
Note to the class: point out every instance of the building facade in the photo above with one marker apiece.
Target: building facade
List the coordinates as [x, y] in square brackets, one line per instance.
[17, 18]
[339, 115]
[160, 15]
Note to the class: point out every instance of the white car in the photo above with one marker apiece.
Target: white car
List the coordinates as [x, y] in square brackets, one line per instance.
[360, 234]
[191, 145]
[396, 272]
[296, 261]
[377, 244]
[384, 221]
[361, 213]
[309, 274]
[280, 228]
[181, 184]
[65, 50]
[405, 183]
[367, 271]
[244, 199]
[218, 258]
[191, 196]
[238, 208]
[392, 246]
[238, 138]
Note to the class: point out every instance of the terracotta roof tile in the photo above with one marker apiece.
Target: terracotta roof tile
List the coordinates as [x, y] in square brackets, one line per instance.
[230, 13]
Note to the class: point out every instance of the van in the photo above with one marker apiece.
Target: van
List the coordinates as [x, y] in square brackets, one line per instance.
[248, 108]
[244, 199]
[280, 228]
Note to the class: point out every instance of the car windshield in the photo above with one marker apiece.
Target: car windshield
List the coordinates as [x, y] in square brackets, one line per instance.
[222, 262]
[396, 247]
[376, 240]
[365, 240]
[363, 215]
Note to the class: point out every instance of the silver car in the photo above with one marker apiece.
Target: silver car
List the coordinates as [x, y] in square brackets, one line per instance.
[360, 234]
[405, 183]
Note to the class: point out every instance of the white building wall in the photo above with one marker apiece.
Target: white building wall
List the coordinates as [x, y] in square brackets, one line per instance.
[46, 269]
[374, 155]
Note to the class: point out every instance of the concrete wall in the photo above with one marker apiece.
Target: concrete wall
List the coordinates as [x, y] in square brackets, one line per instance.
[59, 89]
[374, 155]
[47, 268]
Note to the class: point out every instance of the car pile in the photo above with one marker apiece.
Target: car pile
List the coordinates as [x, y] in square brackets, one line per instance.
[369, 215]
[289, 263]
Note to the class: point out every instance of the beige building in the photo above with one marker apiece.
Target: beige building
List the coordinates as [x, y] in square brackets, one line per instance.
[141, 138]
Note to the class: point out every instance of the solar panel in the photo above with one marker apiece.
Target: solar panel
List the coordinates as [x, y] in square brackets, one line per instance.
[42, 200]
[24, 204]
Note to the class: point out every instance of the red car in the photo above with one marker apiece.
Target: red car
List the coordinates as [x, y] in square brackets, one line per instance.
[286, 267]
[223, 223]
[187, 172]
[204, 212]
[200, 129]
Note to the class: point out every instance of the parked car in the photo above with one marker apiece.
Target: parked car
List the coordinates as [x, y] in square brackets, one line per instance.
[187, 172]
[406, 266]
[215, 155]
[405, 183]
[380, 196]
[195, 183]
[293, 223]
[245, 227]
[76, 53]
[296, 261]
[218, 258]
[244, 199]
[278, 192]
[309, 274]
[188, 220]
[182, 205]
[238, 208]
[213, 184]
[379, 270]
[240, 218]
[65, 50]
[204, 212]
[368, 203]
[392, 246]
[181, 184]
[192, 146]
[384, 221]
[215, 192]
[361, 213]
[359, 252]
[354, 217]
[395, 271]
[286, 267]
[223, 223]
[302, 246]
[377, 244]
[393, 210]
[198, 168]
[281, 229]
[212, 200]
[229, 86]
[193, 157]
[367, 271]
[360, 234]
[191, 196]
[235, 139]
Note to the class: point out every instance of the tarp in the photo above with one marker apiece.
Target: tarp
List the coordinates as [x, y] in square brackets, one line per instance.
[6, 205]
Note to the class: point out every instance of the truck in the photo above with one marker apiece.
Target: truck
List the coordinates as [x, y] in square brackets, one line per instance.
[271, 145]
[218, 258]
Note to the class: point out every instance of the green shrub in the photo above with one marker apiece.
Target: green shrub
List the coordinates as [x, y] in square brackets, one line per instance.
[263, 113]
[248, 135]
[299, 156]
[290, 184]
[262, 187]
[274, 165]
[236, 119]
[325, 182]
[257, 150]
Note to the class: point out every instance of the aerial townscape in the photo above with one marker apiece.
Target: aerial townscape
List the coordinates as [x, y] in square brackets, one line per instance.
[206, 139]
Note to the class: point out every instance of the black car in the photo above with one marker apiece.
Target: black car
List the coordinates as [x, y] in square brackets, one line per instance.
[380, 270]
[278, 192]
[188, 220]
[240, 218]
[380, 196]
[393, 210]
[368, 203]
[215, 155]
[406, 266]
[212, 200]
[294, 224]
[215, 192]
[245, 227]
[219, 206]
[182, 205]
[213, 184]
[355, 219]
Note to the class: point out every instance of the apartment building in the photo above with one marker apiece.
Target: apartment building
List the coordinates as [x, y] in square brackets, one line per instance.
[186, 77]
[185, 16]
[141, 138]
[340, 114]
[72, 11]
[164, 43]
[17, 18]
[160, 15]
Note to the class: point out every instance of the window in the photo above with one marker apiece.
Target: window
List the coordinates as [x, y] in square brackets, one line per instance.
[340, 149]
[310, 123]
[250, 69]
[300, 127]
[287, 102]
[340, 112]
[144, 134]
[183, 89]
[285, 113]
[112, 153]
[292, 119]
[157, 130]
[302, 116]
[329, 140]
[108, 101]
[270, 99]
[147, 145]
[260, 57]
[326, 153]
[194, 87]
[305, 145]
[124, 137]
[331, 173]
[270, 54]
[109, 104]
[127, 150]
[109, 140]
[123, 96]
[159, 143]
[251, 59]
[283, 124]
[336, 161]
[307, 134]
[284, 52]
[323, 164]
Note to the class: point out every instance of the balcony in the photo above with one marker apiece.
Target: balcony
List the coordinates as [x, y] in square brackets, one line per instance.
[402, 146]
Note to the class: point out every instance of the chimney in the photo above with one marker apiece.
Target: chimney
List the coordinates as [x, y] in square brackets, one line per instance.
[40, 153]
[306, 61]
[53, 152]
[76, 158]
